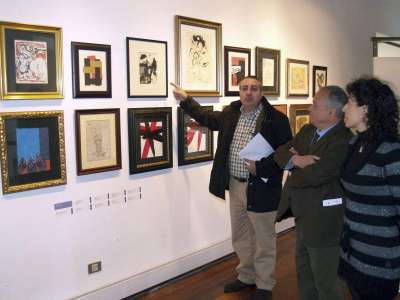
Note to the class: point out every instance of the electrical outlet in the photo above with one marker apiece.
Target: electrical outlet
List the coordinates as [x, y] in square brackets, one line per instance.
[94, 267]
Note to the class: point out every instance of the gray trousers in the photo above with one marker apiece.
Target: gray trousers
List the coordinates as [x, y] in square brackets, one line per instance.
[253, 239]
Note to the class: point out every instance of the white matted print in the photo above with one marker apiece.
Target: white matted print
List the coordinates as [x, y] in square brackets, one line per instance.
[92, 70]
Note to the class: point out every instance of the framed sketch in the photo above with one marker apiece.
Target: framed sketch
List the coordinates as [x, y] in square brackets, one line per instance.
[195, 142]
[281, 107]
[91, 70]
[30, 61]
[237, 62]
[297, 77]
[198, 56]
[147, 68]
[298, 116]
[150, 139]
[268, 64]
[98, 140]
[320, 78]
[32, 150]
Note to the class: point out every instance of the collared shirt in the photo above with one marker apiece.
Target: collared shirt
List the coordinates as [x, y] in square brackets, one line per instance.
[244, 132]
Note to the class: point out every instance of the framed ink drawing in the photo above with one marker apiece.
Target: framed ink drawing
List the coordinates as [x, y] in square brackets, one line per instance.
[150, 139]
[298, 116]
[91, 70]
[320, 78]
[98, 140]
[32, 150]
[195, 142]
[147, 68]
[237, 62]
[30, 62]
[297, 77]
[198, 56]
[268, 64]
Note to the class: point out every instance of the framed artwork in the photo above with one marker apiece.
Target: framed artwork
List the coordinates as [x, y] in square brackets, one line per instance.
[198, 56]
[91, 70]
[147, 68]
[298, 116]
[297, 77]
[150, 139]
[30, 62]
[268, 64]
[281, 107]
[98, 140]
[320, 78]
[32, 150]
[195, 142]
[237, 62]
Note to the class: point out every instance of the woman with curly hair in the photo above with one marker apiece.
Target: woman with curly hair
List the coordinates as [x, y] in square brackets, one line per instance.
[370, 256]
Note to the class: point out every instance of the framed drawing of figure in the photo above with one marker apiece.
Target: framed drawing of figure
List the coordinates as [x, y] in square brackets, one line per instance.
[237, 62]
[91, 70]
[98, 141]
[195, 142]
[147, 68]
[268, 64]
[298, 116]
[320, 78]
[30, 62]
[198, 56]
[297, 77]
[150, 139]
[32, 150]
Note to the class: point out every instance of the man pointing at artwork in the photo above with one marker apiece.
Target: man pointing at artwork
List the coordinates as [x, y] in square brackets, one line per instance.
[254, 197]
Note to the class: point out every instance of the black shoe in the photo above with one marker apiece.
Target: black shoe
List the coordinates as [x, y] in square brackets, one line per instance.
[236, 286]
[263, 294]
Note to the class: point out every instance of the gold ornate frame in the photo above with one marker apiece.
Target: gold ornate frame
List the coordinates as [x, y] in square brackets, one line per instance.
[53, 93]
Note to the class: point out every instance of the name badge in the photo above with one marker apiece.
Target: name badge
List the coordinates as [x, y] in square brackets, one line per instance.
[332, 202]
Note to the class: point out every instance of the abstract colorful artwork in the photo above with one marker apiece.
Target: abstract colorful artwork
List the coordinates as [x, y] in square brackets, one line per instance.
[237, 66]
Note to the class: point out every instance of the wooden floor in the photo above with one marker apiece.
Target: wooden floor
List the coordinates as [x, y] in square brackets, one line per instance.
[208, 284]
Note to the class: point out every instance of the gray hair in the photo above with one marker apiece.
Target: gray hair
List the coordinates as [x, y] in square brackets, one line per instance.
[337, 98]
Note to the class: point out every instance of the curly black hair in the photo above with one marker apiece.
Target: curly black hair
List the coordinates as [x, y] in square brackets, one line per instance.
[383, 112]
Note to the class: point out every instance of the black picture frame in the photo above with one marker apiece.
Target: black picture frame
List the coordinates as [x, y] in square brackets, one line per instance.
[150, 139]
[270, 79]
[91, 70]
[318, 82]
[205, 139]
[235, 68]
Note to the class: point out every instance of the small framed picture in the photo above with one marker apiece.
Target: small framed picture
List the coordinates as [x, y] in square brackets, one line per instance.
[320, 78]
[195, 142]
[98, 140]
[237, 66]
[150, 139]
[31, 62]
[268, 64]
[281, 107]
[91, 70]
[147, 68]
[198, 56]
[297, 80]
[298, 116]
[32, 150]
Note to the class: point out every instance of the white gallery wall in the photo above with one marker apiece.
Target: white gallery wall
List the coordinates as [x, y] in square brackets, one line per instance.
[176, 225]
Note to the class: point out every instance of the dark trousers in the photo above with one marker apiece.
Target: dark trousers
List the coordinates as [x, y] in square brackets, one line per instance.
[357, 295]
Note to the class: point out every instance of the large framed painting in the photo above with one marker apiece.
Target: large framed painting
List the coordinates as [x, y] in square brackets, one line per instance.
[195, 142]
[237, 62]
[98, 140]
[198, 56]
[147, 68]
[297, 77]
[320, 78]
[298, 116]
[150, 139]
[32, 150]
[91, 70]
[281, 107]
[30, 62]
[268, 64]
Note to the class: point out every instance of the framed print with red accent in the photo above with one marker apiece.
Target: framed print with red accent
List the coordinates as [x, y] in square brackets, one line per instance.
[237, 66]
[150, 139]
[195, 142]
